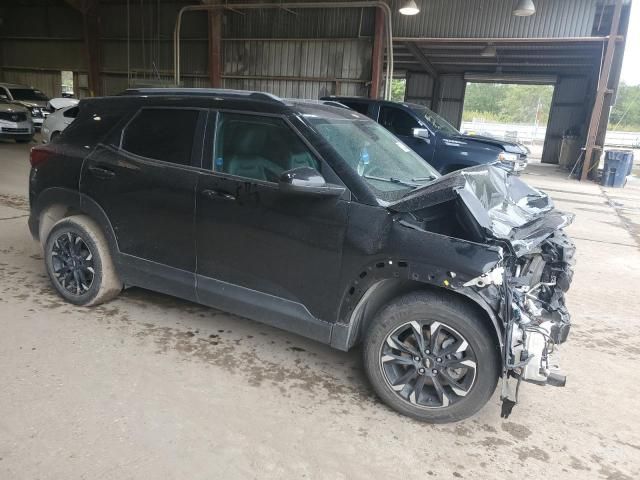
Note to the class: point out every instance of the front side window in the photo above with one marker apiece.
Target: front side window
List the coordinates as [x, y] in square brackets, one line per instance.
[165, 134]
[28, 94]
[397, 121]
[258, 147]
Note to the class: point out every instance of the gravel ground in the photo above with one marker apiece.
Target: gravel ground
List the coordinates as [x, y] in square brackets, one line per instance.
[148, 386]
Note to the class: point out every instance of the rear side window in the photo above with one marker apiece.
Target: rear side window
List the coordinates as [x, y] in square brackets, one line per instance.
[359, 107]
[71, 112]
[162, 134]
[397, 121]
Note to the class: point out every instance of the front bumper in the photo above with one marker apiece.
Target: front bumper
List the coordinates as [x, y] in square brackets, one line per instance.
[16, 129]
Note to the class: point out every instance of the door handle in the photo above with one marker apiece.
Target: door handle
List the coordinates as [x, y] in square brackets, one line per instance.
[216, 194]
[103, 173]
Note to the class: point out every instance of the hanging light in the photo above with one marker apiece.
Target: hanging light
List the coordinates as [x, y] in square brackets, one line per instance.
[489, 51]
[524, 8]
[409, 7]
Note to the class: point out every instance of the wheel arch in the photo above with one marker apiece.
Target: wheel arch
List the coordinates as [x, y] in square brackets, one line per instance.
[54, 204]
[345, 336]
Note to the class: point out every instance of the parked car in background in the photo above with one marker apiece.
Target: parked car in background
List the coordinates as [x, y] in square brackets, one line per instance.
[59, 119]
[31, 98]
[15, 122]
[317, 220]
[435, 139]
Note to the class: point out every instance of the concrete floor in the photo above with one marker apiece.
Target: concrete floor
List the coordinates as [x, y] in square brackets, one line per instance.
[148, 386]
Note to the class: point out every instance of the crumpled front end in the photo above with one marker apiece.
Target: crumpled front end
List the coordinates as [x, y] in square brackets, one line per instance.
[538, 321]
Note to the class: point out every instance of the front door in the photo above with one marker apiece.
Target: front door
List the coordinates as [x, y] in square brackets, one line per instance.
[261, 251]
[401, 124]
[144, 179]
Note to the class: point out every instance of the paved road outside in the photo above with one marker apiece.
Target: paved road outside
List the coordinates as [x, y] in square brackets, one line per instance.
[148, 386]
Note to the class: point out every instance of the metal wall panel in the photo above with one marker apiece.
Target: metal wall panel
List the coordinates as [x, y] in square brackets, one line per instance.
[419, 88]
[43, 54]
[570, 109]
[493, 18]
[311, 23]
[298, 68]
[450, 98]
[50, 82]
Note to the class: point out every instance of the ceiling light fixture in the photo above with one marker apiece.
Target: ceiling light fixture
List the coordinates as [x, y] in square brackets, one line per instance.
[524, 8]
[409, 7]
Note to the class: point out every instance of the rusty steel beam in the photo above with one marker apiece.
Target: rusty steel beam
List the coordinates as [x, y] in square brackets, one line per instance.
[377, 55]
[215, 48]
[603, 90]
[91, 30]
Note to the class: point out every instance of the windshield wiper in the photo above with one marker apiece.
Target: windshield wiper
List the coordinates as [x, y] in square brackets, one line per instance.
[392, 180]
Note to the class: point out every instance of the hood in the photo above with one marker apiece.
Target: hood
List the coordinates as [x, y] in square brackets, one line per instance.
[58, 103]
[31, 103]
[12, 108]
[509, 147]
[502, 205]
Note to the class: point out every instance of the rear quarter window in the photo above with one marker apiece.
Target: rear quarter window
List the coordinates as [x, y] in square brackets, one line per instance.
[92, 123]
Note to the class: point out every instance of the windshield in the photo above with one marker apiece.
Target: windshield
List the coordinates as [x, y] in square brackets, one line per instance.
[436, 120]
[27, 94]
[389, 167]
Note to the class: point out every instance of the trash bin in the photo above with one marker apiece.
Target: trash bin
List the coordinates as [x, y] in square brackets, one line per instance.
[617, 166]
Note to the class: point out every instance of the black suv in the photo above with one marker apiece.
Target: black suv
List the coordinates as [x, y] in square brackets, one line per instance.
[317, 220]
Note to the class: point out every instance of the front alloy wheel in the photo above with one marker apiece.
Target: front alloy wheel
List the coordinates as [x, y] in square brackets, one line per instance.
[432, 356]
[428, 364]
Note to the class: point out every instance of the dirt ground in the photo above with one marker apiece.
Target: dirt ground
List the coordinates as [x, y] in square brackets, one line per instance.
[148, 386]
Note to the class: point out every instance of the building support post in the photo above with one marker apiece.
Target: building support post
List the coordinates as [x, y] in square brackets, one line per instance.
[91, 26]
[603, 90]
[215, 48]
[377, 55]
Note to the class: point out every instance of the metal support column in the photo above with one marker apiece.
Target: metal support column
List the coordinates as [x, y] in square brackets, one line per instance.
[377, 58]
[603, 90]
[91, 28]
[215, 48]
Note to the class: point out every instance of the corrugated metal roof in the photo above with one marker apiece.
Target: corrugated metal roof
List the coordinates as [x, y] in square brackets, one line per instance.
[493, 18]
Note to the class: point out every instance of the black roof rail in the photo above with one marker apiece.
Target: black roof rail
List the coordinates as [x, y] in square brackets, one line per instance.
[205, 92]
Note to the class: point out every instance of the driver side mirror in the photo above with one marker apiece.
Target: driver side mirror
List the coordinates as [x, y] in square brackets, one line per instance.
[422, 134]
[307, 181]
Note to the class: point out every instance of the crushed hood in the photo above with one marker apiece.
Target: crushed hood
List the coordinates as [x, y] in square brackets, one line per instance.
[503, 206]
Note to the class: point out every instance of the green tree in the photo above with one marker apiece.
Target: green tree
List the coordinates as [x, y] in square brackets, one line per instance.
[398, 87]
[625, 114]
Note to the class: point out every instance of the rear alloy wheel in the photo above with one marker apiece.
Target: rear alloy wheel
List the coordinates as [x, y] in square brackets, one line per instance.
[428, 355]
[79, 262]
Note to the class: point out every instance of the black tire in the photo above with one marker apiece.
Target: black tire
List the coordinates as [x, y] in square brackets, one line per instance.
[87, 252]
[436, 400]
[24, 140]
[53, 136]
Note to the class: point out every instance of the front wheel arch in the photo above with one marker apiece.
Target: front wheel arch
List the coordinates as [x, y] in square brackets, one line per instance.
[385, 291]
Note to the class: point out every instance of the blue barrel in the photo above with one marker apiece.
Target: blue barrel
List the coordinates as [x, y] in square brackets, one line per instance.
[617, 166]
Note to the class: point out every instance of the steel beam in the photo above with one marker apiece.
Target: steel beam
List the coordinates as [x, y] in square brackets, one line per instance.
[421, 58]
[377, 54]
[91, 29]
[603, 90]
[215, 48]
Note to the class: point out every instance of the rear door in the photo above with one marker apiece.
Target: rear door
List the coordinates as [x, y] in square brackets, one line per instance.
[401, 124]
[144, 178]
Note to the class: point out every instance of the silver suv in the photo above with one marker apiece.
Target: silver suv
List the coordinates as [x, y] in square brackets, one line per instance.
[15, 122]
[31, 98]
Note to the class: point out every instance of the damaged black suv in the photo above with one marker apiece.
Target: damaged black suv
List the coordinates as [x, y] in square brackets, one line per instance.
[317, 220]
